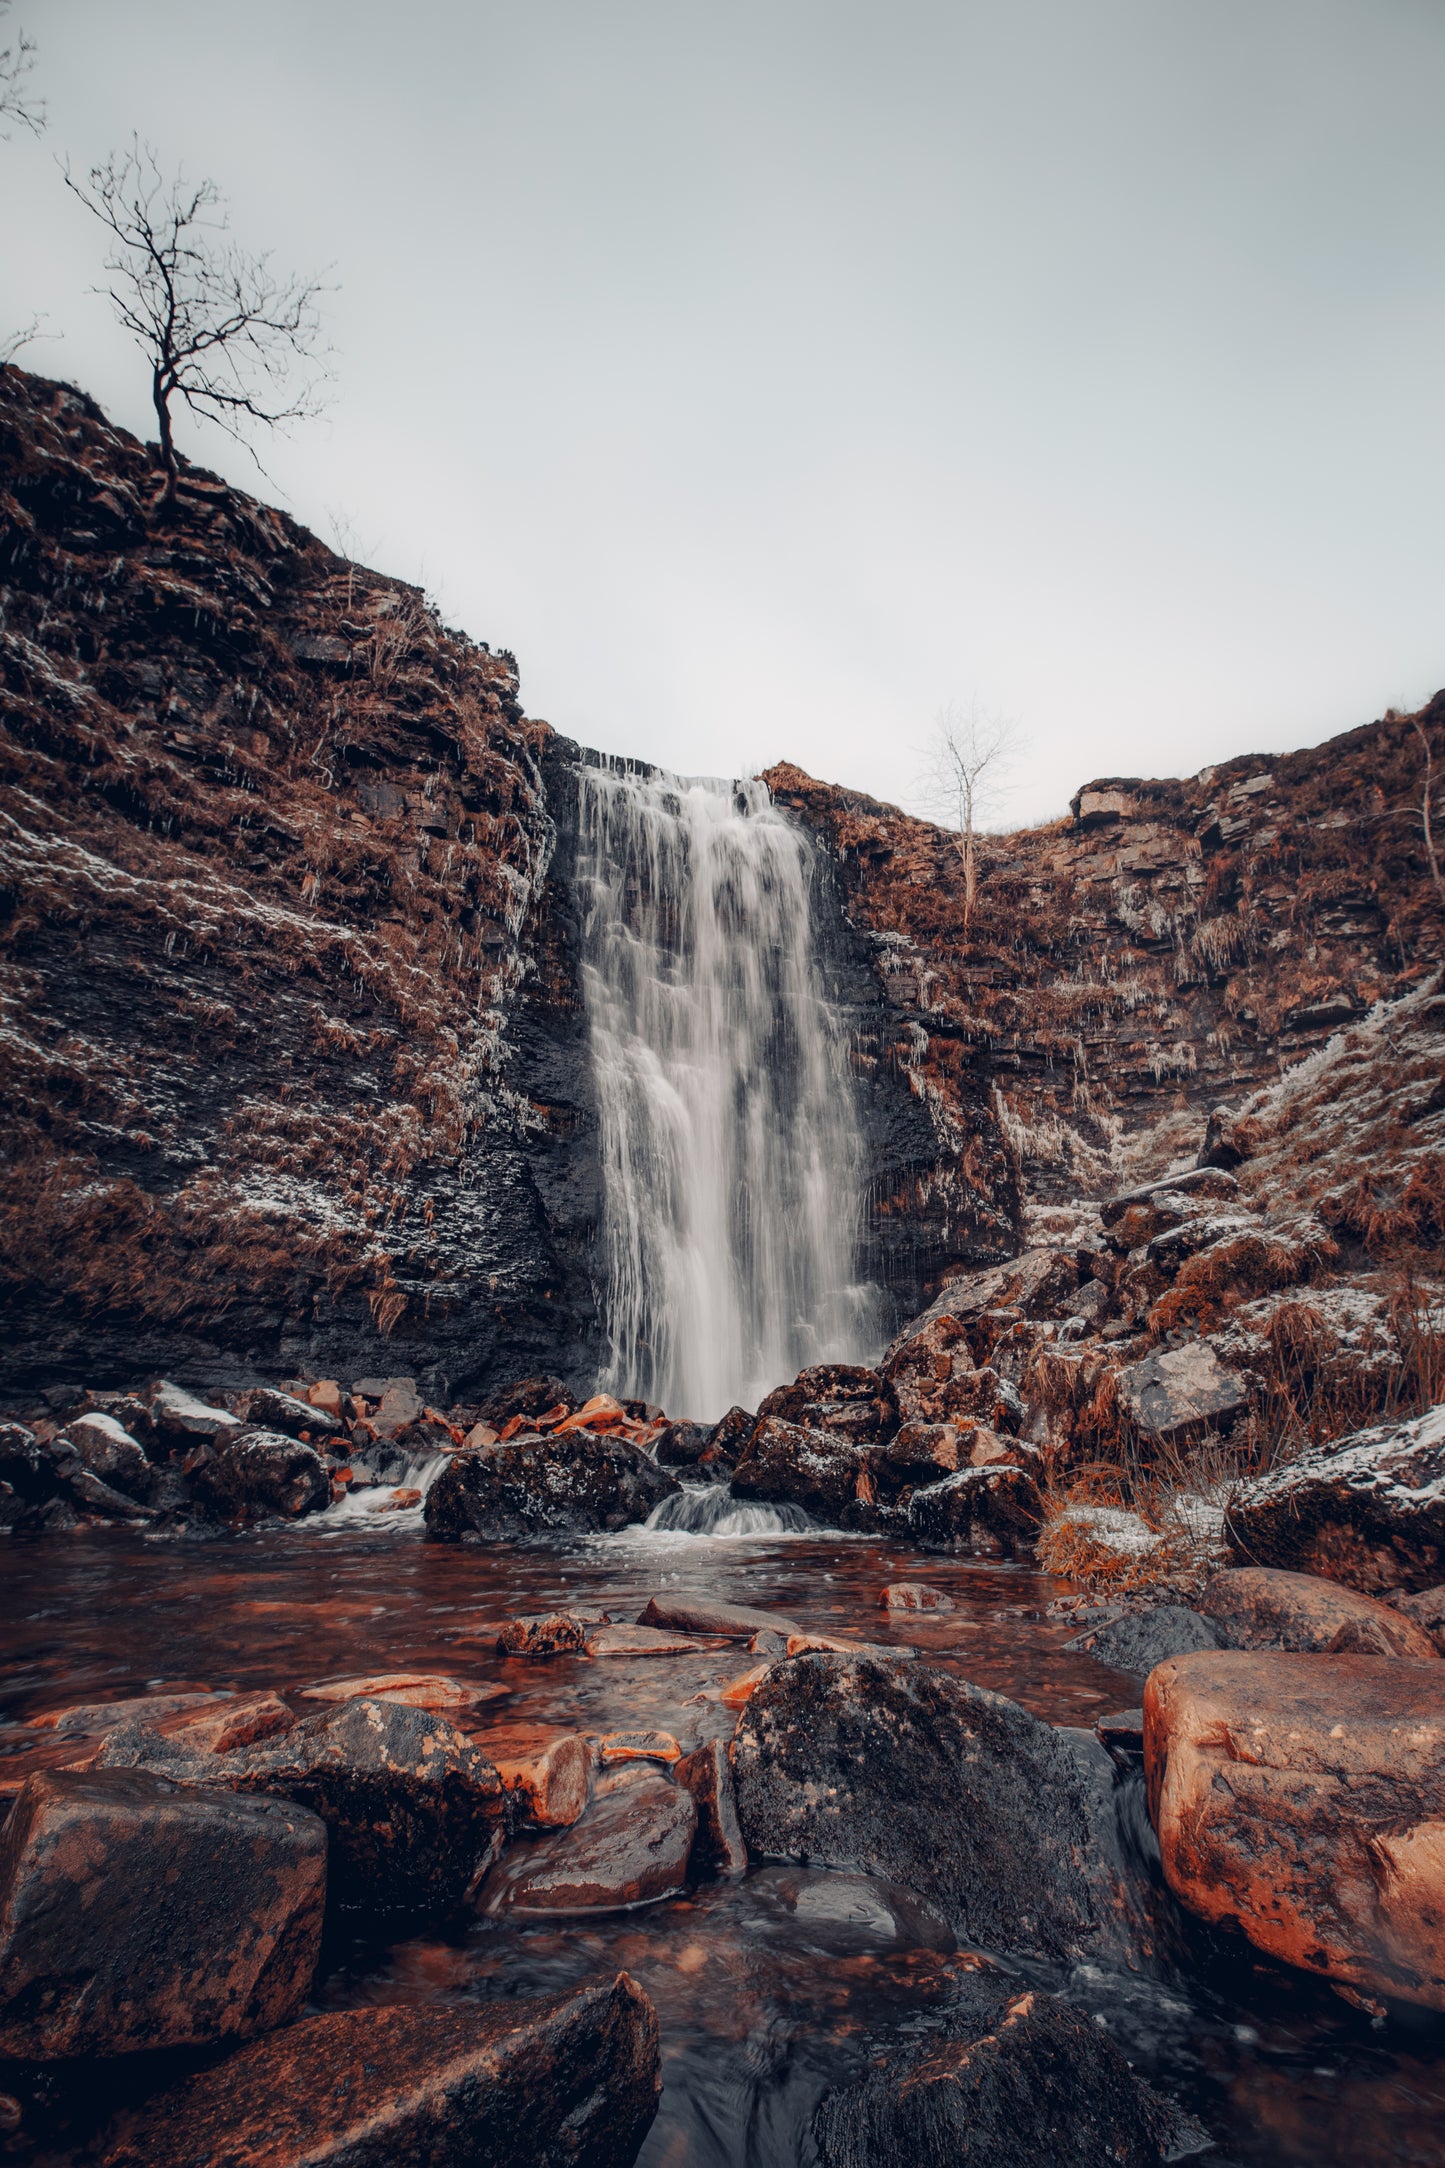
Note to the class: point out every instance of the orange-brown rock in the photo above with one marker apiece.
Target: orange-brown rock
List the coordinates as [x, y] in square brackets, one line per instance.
[514, 2084]
[625, 1746]
[414, 1689]
[135, 1914]
[707, 1774]
[549, 1772]
[1260, 1607]
[630, 1847]
[240, 1720]
[700, 1614]
[914, 1596]
[639, 1641]
[1302, 1798]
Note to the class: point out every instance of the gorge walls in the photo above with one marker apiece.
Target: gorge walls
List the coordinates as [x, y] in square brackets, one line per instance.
[295, 1047]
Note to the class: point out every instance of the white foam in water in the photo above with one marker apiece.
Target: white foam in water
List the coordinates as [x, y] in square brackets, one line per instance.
[732, 1158]
[372, 1505]
[709, 1511]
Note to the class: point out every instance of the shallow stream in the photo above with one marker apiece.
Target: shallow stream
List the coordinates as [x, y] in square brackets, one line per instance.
[766, 1987]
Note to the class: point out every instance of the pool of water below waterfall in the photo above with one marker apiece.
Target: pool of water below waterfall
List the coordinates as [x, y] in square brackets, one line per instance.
[766, 1987]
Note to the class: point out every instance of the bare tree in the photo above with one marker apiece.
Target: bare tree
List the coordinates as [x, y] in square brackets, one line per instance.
[220, 329]
[964, 769]
[16, 104]
[1427, 816]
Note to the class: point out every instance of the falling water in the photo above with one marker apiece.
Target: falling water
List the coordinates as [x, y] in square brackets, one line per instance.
[731, 1153]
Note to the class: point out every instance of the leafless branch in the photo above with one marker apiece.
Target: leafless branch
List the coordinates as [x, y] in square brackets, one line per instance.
[16, 103]
[220, 329]
[961, 781]
[15, 342]
[1427, 816]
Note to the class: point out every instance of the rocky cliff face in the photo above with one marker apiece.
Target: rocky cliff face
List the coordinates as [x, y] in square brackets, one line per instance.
[294, 1059]
[1167, 947]
[270, 836]
[293, 1055]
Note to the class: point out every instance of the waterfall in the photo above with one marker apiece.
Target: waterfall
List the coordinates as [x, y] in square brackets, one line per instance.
[731, 1153]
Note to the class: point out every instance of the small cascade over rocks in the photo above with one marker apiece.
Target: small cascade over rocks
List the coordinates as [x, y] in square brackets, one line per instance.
[732, 1157]
[710, 1509]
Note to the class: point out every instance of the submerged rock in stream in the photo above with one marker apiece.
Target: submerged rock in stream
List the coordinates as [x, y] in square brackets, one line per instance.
[1012, 2078]
[560, 2083]
[630, 1847]
[903, 1771]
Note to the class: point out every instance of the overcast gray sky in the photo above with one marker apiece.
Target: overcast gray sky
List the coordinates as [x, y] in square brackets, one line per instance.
[768, 375]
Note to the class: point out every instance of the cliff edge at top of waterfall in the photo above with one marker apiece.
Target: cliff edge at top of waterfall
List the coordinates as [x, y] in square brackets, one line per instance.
[1164, 948]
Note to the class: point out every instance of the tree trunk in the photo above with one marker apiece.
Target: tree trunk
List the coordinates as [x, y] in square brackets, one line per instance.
[161, 399]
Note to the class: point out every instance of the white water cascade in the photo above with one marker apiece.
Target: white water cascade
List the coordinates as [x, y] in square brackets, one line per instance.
[731, 1152]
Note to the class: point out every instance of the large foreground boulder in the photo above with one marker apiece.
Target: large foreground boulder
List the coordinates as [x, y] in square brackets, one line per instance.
[415, 1811]
[575, 1484]
[1260, 1607]
[569, 2082]
[1012, 2078]
[902, 1771]
[137, 1914]
[1368, 1510]
[1300, 1798]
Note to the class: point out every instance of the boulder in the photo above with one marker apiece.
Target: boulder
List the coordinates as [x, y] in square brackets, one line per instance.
[546, 1633]
[707, 1775]
[570, 2080]
[995, 1510]
[841, 1398]
[414, 1689]
[924, 1452]
[109, 1451]
[149, 1709]
[1180, 1392]
[1039, 1283]
[702, 1615]
[1298, 1798]
[577, 1484]
[1011, 2078]
[415, 1811]
[681, 1445]
[1200, 1182]
[809, 1468]
[1261, 1607]
[936, 1380]
[548, 1773]
[137, 1914]
[914, 1596]
[529, 1396]
[640, 1641]
[1142, 1639]
[236, 1720]
[633, 1746]
[1426, 1609]
[181, 1420]
[1368, 1510]
[254, 1475]
[268, 1409]
[630, 1847]
[899, 1770]
[728, 1438]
